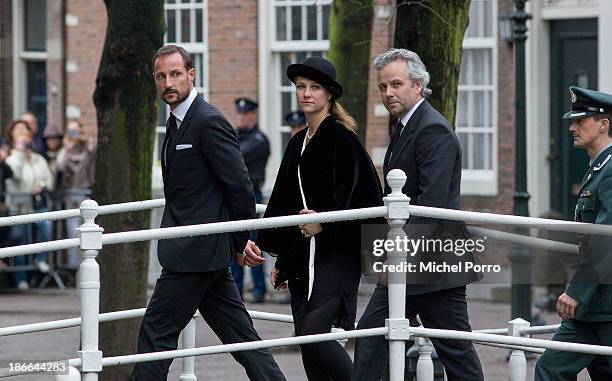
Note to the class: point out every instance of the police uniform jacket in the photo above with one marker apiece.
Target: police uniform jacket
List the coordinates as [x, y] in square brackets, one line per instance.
[255, 148]
[591, 285]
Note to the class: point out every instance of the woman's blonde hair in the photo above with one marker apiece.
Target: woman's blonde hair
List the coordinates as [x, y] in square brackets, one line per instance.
[342, 116]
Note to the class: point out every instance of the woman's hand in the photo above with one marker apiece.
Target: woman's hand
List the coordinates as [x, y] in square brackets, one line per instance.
[310, 230]
[273, 275]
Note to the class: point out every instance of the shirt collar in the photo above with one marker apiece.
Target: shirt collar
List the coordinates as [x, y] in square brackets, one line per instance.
[406, 117]
[181, 110]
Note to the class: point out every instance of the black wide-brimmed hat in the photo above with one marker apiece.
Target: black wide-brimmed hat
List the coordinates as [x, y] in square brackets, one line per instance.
[319, 70]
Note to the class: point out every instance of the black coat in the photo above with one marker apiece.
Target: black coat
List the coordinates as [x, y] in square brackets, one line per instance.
[337, 174]
[207, 182]
[428, 151]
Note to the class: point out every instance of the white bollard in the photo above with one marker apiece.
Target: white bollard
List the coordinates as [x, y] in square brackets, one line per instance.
[425, 365]
[399, 327]
[518, 361]
[89, 285]
[73, 375]
[188, 337]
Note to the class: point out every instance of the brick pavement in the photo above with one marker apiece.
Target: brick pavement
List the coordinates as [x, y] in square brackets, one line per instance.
[42, 305]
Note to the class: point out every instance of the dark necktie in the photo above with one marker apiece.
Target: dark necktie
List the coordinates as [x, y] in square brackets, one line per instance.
[172, 131]
[396, 136]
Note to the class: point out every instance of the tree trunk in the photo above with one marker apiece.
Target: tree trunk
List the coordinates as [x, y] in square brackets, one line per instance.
[434, 29]
[126, 105]
[350, 27]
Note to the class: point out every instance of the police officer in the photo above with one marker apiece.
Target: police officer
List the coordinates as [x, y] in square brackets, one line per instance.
[296, 120]
[586, 305]
[255, 148]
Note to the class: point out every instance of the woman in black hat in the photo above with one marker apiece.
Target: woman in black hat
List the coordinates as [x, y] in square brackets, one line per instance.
[324, 168]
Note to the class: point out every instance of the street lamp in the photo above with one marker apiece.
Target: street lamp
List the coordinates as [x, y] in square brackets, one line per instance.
[505, 26]
[520, 256]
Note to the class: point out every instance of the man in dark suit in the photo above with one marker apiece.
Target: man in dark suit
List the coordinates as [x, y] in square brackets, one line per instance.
[205, 180]
[425, 147]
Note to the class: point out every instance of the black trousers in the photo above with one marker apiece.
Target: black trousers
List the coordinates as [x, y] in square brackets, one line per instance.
[176, 298]
[326, 360]
[446, 309]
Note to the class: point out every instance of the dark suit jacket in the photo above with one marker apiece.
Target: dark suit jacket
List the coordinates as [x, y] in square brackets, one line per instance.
[428, 151]
[207, 182]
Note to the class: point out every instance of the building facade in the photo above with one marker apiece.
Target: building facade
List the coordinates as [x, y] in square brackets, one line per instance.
[50, 51]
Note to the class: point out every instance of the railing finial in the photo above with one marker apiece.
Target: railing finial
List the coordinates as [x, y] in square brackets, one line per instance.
[396, 179]
[89, 211]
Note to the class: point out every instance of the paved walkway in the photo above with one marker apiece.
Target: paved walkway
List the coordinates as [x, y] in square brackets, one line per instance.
[41, 305]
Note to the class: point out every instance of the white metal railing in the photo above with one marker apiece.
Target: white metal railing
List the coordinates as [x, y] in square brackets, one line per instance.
[397, 330]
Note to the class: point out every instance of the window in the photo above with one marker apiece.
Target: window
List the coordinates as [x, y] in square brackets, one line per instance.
[187, 26]
[300, 30]
[30, 67]
[476, 119]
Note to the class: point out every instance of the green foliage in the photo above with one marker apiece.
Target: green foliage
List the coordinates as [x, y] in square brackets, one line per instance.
[434, 29]
[350, 27]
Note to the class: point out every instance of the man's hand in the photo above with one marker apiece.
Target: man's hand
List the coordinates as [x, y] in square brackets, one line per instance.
[251, 256]
[566, 305]
[273, 275]
[310, 230]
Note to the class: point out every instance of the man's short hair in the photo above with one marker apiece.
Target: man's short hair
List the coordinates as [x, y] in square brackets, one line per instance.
[167, 50]
[417, 72]
[599, 117]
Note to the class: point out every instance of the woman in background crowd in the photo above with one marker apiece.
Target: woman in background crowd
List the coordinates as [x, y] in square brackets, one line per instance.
[75, 161]
[31, 175]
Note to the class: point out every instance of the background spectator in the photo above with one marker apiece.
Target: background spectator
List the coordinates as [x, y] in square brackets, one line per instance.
[75, 161]
[31, 175]
[53, 143]
[5, 173]
[38, 144]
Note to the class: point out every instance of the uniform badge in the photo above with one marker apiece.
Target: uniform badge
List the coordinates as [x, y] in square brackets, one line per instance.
[585, 194]
[573, 96]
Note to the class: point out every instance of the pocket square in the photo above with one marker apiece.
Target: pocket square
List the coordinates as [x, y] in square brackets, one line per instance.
[183, 146]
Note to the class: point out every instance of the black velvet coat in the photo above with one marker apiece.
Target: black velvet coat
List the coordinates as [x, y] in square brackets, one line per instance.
[337, 174]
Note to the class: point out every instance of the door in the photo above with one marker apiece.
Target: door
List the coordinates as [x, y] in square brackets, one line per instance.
[573, 62]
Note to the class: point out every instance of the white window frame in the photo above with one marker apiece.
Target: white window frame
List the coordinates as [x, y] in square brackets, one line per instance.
[20, 59]
[479, 181]
[270, 88]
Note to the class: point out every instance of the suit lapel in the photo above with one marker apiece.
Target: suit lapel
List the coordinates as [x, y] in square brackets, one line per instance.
[406, 136]
[185, 124]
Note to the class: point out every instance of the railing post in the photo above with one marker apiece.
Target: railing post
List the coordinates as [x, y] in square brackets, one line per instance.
[518, 361]
[89, 285]
[188, 337]
[399, 327]
[425, 365]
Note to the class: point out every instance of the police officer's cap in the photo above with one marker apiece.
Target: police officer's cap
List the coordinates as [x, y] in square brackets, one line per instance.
[295, 118]
[245, 105]
[587, 103]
